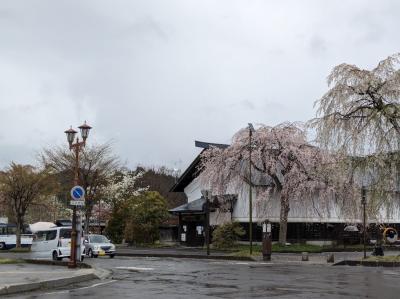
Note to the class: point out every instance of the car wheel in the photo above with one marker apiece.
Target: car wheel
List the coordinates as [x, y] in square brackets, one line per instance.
[55, 256]
[112, 256]
[2, 246]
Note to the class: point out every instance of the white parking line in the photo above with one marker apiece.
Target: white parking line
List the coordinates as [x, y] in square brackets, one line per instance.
[97, 284]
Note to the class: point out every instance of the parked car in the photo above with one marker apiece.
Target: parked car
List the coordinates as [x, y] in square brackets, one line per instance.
[54, 242]
[98, 245]
[8, 238]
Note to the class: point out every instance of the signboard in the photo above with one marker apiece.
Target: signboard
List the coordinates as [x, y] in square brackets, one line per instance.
[78, 203]
[77, 193]
[266, 227]
[78, 196]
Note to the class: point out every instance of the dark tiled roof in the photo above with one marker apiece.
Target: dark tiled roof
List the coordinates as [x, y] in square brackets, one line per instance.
[207, 145]
[195, 206]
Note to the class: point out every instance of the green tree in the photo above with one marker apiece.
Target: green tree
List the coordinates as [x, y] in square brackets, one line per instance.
[146, 213]
[116, 224]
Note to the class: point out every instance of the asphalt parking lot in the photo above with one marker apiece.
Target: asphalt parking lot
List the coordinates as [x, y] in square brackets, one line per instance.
[169, 278]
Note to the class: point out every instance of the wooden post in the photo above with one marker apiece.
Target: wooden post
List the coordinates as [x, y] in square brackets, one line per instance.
[364, 202]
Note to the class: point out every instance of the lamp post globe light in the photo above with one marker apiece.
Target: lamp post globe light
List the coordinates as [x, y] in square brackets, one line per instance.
[76, 147]
[70, 135]
[85, 128]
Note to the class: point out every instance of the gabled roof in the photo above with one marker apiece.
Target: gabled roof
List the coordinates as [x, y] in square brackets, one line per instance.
[195, 206]
[191, 172]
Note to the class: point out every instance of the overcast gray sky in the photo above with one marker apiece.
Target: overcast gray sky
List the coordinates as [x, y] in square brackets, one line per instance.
[153, 76]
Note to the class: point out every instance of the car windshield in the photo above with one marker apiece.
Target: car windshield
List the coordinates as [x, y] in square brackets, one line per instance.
[98, 239]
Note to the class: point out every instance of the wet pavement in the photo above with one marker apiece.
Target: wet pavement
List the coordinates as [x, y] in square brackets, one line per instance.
[169, 278]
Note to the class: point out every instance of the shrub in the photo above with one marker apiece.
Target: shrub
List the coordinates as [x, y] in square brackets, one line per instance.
[225, 235]
[146, 213]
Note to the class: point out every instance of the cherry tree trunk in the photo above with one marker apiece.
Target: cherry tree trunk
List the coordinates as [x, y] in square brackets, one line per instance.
[283, 219]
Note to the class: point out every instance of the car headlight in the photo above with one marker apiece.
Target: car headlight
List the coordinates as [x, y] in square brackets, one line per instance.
[112, 247]
[96, 247]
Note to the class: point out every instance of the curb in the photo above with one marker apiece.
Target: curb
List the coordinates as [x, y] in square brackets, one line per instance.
[189, 256]
[80, 265]
[54, 283]
[48, 284]
[367, 263]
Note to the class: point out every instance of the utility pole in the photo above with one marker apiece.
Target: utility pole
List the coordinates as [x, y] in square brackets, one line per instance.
[206, 194]
[251, 130]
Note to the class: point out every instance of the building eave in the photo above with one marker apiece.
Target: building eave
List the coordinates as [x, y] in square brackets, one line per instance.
[192, 172]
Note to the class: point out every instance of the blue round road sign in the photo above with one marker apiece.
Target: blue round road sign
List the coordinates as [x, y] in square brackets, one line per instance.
[77, 193]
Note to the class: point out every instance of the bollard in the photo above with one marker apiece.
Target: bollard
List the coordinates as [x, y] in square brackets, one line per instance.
[304, 256]
[330, 258]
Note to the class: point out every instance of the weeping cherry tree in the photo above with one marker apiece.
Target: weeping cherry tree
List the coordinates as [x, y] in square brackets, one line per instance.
[284, 165]
[359, 116]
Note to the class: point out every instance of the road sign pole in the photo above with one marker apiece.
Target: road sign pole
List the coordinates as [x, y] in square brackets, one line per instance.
[73, 255]
[78, 235]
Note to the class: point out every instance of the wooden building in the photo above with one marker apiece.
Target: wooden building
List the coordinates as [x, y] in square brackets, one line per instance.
[305, 224]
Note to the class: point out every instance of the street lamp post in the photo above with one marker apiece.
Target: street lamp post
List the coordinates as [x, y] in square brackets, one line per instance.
[76, 147]
[251, 130]
[364, 203]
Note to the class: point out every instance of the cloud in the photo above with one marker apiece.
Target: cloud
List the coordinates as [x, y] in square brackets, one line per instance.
[155, 75]
[248, 104]
[318, 45]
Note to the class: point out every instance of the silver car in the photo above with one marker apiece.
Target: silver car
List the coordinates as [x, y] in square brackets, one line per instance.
[98, 245]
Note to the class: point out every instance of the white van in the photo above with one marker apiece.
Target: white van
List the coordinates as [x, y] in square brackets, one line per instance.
[54, 242]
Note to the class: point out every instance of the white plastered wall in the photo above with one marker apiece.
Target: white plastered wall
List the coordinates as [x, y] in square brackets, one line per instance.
[270, 209]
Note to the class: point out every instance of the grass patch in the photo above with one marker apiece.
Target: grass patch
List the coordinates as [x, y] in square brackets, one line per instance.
[293, 248]
[388, 258]
[17, 250]
[246, 253]
[153, 245]
[4, 261]
[296, 248]
[244, 250]
[20, 250]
